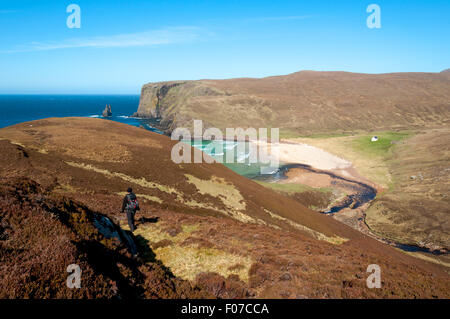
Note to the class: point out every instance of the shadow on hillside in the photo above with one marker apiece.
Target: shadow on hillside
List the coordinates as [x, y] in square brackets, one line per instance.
[144, 220]
[105, 261]
[146, 253]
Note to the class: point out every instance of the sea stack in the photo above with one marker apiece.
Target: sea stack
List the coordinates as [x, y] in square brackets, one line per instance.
[107, 111]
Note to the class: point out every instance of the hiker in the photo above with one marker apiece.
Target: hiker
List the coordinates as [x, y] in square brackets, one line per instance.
[130, 205]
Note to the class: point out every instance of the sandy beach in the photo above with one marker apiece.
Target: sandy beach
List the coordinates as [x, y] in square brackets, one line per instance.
[300, 153]
[304, 154]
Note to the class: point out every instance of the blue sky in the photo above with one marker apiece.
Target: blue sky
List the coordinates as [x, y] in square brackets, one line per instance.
[123, 44]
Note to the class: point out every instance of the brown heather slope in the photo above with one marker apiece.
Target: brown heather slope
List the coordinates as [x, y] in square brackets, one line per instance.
[41, 233]
[226, 234]
[305, 102]
[84, 154]
[417, 210]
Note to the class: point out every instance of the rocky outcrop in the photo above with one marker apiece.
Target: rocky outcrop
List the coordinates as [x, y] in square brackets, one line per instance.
[107, 111]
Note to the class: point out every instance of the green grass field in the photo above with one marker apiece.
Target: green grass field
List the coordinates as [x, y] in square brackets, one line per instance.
[380, 148]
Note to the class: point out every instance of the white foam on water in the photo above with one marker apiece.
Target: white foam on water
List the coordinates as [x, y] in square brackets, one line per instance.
[267, 170]
[124, 116]
[229, 145]
[243, 157]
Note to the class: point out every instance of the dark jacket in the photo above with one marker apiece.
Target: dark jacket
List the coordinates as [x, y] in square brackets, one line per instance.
[131, 196]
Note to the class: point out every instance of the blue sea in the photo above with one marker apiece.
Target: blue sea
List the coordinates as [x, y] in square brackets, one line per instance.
[16, 109]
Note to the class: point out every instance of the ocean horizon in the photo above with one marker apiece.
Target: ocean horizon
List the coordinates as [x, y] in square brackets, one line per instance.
[19, 108]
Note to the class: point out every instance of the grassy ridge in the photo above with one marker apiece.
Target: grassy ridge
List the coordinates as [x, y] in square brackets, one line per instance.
[314, 198]
[291, 188]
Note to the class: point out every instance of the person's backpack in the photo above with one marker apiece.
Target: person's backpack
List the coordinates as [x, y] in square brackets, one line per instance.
[132, 202]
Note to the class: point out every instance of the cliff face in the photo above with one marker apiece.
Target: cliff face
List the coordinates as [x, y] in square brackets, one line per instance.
[173, 102]
[305, 102]
[152, 98]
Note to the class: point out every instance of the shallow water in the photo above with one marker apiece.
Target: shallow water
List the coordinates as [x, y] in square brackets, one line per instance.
[240, 153]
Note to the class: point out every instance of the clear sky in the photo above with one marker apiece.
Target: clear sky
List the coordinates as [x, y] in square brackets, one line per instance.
[123, 44]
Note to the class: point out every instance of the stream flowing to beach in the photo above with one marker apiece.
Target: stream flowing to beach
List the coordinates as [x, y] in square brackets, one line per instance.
[361, 193]
[20, 108]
